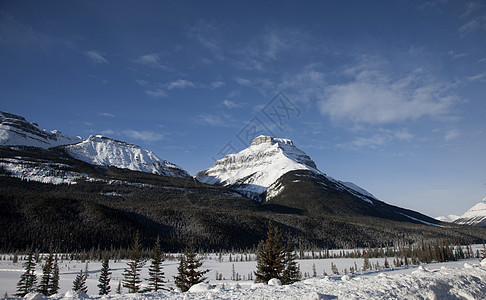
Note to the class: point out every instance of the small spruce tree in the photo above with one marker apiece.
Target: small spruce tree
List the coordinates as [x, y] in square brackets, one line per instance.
[119, 288]
[291, 272]
[270, 257]
[156, 271]
[79, 283]
[104, 281]
[131, 274]
[28, 279]
[46, 275]
[188, 274]
[54, 284]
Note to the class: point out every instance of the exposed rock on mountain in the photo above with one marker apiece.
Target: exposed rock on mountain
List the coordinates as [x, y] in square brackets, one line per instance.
[15, 131]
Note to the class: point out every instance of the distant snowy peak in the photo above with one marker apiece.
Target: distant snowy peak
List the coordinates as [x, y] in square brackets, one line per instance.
[448, 218]
[16, 131]
[103, 151]
[476, 215]
[253, 170]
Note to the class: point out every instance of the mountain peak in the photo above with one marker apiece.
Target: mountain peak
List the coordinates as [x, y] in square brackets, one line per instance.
[263, 139]
[15, 130]
[252, 170]
[105, 151]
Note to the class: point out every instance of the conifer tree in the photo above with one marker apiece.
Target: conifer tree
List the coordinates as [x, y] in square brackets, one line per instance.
[46, 275]
[54, 284]
[187, 272]
[131, 274]
[119, 288]
[156, 271]
[28, 280]
[104, 281]
[386, 264]
[291, 272]
[270, 257]
[79, 283]
[482, 254]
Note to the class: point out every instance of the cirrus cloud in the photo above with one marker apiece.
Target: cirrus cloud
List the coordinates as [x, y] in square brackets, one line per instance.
[373, 96]
[143, 135]
[96, 57]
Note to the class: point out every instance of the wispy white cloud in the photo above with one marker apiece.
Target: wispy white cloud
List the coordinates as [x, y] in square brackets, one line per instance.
[150, 60]
[481, 77]
[472, 25]
[142, 82]
[143, 135]
[208, 35]
[379, 138]
[157, 93]
[243, 81]
[217, 120]
[106, 114]
[451, 135]
[217, 84]
[108, 132]
[376, 96]
[456, 55]
[372, 142]
[95, 57]
[180, 84]
[231, 104]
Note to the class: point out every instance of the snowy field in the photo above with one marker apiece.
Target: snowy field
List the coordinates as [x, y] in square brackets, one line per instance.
[464, 279]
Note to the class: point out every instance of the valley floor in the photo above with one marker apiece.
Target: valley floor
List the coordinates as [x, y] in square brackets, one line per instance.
[464, 279]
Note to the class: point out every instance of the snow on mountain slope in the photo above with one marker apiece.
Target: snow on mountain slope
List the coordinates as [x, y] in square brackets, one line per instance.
[448, 218]
[103, 151]
[253, 170]
[476, 215]
[15, 131]
[45, 172]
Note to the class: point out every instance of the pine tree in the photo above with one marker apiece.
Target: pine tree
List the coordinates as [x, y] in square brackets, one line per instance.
[188, 275]
[270, 257]
[334, 269]
[156, 273]
[482, 254]
[79, 283]
[104, 281]
[54, 284]
[46, 275]
[386, 264]
[291, 272]
[119, 288]
[28, 280]
[131, 275]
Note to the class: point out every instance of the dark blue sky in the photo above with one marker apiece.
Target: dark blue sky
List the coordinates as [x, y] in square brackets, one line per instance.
[386, 94]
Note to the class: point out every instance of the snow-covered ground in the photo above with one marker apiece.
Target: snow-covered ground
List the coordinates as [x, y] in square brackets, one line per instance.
[464, 279]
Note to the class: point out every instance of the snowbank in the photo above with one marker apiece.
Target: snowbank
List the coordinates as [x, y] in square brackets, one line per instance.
[466, 282]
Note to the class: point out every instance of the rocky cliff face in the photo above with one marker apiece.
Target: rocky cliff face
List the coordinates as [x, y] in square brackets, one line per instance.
[103, 151]
[256, 168]
[97, 150]
[15, 130]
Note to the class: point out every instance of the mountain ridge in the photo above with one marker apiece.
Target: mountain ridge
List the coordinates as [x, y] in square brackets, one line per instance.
[15, 130]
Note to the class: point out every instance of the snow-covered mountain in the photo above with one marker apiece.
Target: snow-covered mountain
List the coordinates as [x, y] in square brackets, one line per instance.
[253, 170]
[448, 218]
[103, 151]
[15, 131]
[274, 171]
[476, 215]
[96, 150]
